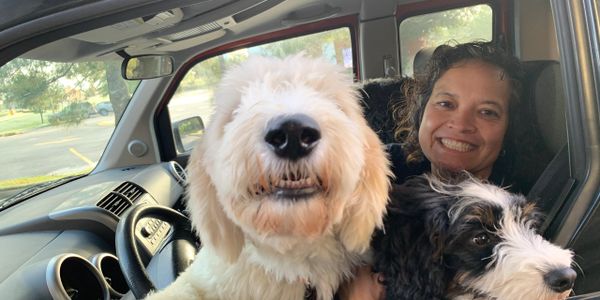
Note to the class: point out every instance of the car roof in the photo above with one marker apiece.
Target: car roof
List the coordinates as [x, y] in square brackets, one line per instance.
[149, 27]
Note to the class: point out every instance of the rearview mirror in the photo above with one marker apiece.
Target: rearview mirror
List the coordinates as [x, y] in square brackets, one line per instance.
[187, 132]
[146, 67]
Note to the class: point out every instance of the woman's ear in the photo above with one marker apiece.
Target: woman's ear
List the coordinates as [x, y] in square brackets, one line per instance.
[370, 197]
[209, 219]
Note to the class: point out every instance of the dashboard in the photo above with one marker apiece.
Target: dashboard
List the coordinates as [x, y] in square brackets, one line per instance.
[61, 244]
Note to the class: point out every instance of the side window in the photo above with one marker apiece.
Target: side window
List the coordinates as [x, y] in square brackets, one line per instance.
[462, 25]
[194, 96]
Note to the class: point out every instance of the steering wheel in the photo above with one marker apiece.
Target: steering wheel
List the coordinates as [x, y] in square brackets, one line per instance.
[182, 242]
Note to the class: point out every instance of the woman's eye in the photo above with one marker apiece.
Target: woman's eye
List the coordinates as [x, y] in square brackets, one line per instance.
[481, 239]
[445, 104]
[489, 113]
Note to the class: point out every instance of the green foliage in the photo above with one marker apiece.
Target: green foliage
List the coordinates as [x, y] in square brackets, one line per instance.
[18, 122]
[207, 74]
[191, 126]
[73, 114]
[31, 84]
[455, 25]
[328, 44]
[42, 86]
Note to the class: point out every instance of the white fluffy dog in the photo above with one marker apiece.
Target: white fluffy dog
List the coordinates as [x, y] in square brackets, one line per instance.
[286, 187]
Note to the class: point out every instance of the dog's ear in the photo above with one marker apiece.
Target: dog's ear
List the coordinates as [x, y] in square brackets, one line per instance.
[370, 198]
[436, 223]
[210, 221]
[409, 251]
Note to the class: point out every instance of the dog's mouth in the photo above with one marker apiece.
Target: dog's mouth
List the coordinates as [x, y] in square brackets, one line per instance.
[290, 187]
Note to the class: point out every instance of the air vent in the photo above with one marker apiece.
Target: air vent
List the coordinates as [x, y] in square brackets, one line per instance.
[178, 172]
[121, 198]
[202, 29]
[255, 10]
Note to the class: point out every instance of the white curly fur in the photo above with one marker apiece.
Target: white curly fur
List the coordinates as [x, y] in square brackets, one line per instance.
[254, 245]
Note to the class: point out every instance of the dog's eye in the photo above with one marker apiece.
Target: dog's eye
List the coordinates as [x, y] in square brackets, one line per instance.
[481, 239]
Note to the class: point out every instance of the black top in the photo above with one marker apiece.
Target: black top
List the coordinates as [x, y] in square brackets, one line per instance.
[403, 171]
[400, 168]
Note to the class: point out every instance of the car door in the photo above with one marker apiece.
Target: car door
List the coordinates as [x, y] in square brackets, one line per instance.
[577, 225]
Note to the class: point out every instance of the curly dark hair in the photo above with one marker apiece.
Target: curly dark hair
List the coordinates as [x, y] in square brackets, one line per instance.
[409, 114]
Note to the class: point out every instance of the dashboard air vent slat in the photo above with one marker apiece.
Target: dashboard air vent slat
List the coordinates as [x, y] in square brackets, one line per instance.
[178, 172]
[129, 190]
[121, 198]
[179, 169]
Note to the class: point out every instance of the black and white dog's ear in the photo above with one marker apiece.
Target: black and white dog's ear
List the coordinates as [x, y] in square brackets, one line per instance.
[409, 252]
[430, 255]
[436, 226]
[532, 216]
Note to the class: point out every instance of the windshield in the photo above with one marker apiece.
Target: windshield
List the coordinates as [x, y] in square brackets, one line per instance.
[56, 118]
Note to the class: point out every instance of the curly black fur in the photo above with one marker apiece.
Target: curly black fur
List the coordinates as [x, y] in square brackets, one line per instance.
[379, 97]
[407, 250]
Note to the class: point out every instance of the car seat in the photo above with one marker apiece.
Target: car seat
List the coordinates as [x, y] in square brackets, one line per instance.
[544, 88]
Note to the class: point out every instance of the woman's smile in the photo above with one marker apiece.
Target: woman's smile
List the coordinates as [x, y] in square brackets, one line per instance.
[456, 145]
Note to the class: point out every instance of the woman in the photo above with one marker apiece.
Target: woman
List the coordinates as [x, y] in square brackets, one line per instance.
[459, 115]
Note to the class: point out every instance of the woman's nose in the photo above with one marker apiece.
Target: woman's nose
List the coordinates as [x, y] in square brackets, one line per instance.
[462, 121]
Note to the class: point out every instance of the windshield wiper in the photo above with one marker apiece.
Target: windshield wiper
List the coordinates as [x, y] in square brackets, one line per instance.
[35, 190]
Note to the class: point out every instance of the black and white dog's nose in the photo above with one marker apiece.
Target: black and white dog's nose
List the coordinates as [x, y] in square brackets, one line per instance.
[560, 280]
[292, 137]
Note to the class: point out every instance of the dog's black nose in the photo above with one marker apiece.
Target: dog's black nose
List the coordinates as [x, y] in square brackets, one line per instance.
[560, 280]
[292, 136]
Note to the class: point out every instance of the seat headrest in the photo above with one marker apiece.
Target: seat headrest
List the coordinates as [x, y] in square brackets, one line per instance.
[544, 87]
[421, 59]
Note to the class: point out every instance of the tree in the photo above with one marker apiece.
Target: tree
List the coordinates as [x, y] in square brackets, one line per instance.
[430, 30]
[40, 86]
[328, 44]
[117, 89]
[33, 84]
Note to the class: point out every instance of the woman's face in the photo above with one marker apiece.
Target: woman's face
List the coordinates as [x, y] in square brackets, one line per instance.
[465, 119]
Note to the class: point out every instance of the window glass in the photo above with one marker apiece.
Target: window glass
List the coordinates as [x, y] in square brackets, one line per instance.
[430, 30]
[56, 119]
[194, 96]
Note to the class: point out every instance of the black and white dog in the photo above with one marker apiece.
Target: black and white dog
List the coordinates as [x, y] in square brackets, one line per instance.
[469, 240]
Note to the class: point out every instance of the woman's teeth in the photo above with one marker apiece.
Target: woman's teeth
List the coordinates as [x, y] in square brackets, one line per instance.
[456, 145]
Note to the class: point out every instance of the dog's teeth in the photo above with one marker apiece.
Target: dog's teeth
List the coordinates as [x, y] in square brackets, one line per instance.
[319, 181]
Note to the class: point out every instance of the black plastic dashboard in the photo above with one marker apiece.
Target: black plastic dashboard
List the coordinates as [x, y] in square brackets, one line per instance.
[61, 243]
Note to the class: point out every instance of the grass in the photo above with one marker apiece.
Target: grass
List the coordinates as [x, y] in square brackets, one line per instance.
[19, 122]
[21, 182]
[26, 181]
